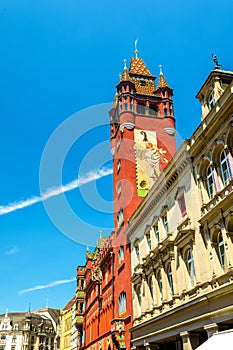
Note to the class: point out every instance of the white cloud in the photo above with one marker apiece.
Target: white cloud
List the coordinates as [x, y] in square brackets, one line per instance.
[51, 284]
[56, 191]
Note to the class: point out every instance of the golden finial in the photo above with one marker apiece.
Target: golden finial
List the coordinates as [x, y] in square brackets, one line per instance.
[136, 50]
[101, 233]
[125, 64]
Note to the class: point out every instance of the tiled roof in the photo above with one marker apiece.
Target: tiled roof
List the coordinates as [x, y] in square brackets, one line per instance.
[138, 67]
[125, 75]
[162, 81]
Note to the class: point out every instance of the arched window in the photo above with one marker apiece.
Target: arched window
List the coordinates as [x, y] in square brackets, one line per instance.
[210, 182]
[170, 279]
[120, 218]
[160, 284]
[121, 254]
[190, 268]
[122, 303]
[151, 288]
[225, 168]
[221, 250]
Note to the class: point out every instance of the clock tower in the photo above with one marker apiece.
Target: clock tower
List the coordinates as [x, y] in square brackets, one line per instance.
[142, 136]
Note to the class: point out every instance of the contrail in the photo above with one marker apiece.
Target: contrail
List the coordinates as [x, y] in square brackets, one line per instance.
[56, 191]
[51, 284]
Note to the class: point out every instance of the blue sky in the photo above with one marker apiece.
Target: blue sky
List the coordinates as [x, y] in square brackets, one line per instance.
[58, 58]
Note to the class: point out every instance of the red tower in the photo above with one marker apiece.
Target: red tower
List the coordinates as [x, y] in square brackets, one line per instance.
[142, 136]
[142, 142]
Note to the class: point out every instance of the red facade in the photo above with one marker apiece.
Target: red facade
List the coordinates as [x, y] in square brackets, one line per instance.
[142, 142]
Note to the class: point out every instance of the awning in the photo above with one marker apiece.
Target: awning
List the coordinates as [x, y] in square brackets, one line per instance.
[221, 340]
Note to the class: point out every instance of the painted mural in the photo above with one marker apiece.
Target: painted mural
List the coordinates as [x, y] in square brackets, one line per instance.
[148, 159]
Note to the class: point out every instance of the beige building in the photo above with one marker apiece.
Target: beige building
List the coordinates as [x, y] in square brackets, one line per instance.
[182, 235]
[26, 331]
[67, 325]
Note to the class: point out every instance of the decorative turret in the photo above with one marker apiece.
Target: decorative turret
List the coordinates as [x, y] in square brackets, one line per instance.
[162, 81]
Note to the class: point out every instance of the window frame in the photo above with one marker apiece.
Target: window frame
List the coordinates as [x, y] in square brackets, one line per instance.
[210, 181]
[122, 303]
[189, 262]
[227, 170]
[170, 279]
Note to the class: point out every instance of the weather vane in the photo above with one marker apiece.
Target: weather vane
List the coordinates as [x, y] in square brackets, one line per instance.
[215, 59]
[136, 49]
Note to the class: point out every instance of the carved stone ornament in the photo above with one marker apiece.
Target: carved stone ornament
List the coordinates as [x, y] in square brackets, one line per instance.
[128, 126]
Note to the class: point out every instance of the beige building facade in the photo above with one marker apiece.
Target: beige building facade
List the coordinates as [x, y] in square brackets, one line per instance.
[26, 331]
[182, 235]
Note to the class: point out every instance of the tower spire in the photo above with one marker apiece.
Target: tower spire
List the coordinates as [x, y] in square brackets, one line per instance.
[162, 81]
[136, 49]
[125, 74]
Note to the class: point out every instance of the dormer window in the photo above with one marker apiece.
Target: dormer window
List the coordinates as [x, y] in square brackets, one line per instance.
[211, 101]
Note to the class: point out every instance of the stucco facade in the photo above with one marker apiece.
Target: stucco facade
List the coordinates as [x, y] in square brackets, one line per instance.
[181, 235]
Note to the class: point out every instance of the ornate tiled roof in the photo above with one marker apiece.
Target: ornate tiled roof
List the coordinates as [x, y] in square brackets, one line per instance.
[137, 66]
[162, 81]
[125, 75]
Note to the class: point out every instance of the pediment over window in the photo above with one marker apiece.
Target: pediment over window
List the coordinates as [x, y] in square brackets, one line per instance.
[184, 237]
[185, 233]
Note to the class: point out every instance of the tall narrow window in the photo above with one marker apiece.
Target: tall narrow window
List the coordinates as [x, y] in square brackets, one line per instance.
[190, 268]
[211, 101]
[120, 218]
[118, 165]
[121, 254]
[148, 240]
[137, 251]
[225, 168]
[170, 279]
[160, 284]
[156, 232]
[165, 222]
[122, 303]
[221, 251]
[139, 296]
[210, 182]
[119, 188]
[181, 200]
[151, 288]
